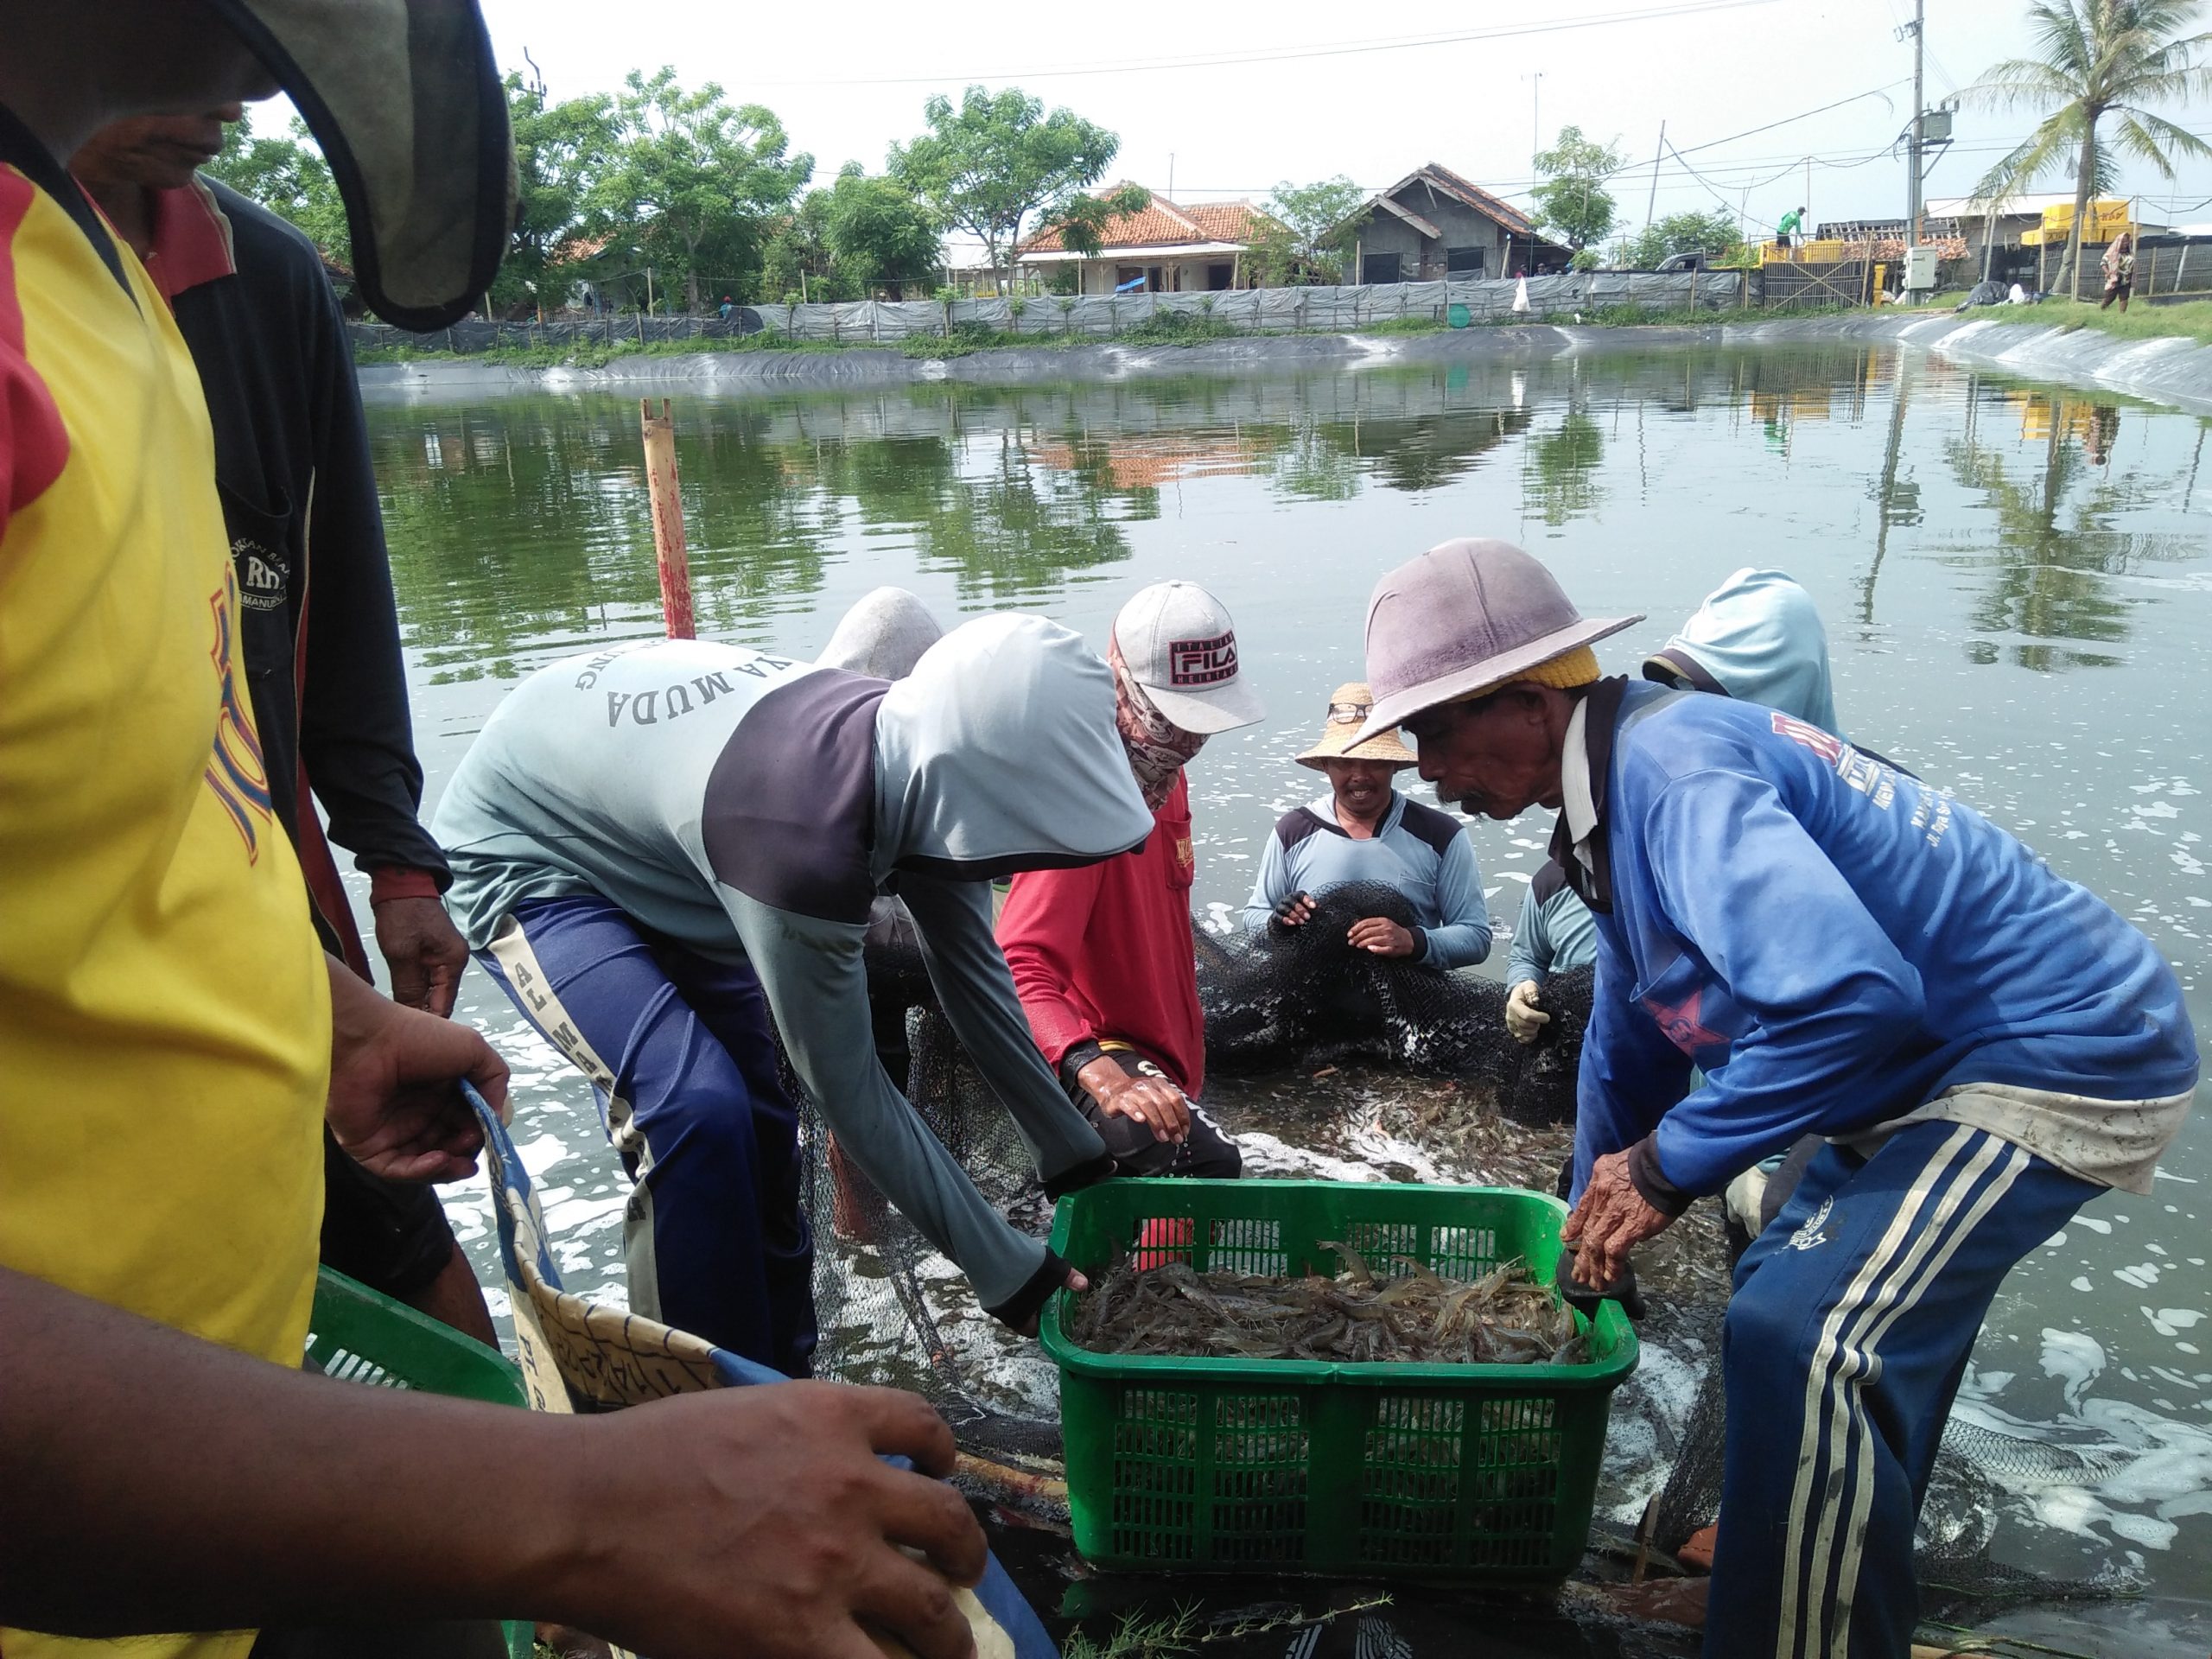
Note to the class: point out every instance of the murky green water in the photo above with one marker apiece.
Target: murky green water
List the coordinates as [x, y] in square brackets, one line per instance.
[2017, 582]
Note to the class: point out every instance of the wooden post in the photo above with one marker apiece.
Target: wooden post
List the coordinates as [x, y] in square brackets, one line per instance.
[667, 518]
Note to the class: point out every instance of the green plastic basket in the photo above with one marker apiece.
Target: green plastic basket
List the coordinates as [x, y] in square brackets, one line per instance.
[359, 1336]
[1471, 1473]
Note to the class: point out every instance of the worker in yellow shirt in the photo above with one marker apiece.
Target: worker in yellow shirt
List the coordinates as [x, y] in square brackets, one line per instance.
[171, 1035]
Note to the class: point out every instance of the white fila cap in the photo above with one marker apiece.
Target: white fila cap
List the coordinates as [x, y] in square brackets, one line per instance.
[1181, 647]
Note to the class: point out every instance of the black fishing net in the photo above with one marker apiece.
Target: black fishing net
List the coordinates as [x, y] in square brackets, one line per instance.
[1284, 996]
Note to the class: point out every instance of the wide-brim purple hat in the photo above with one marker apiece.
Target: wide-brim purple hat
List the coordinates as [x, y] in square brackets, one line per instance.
[1468, 615]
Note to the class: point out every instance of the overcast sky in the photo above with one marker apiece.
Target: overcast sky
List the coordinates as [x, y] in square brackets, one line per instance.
[1332, 92]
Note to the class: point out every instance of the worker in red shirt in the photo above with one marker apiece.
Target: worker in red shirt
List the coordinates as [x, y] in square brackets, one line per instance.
[1103, 956]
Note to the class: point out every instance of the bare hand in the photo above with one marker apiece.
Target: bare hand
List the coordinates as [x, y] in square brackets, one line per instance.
[761, 1519]
[425, 952]
[393, 1106]
[1153, 1101]
[1611, 1220]
[1524, 1020]
[1380, 936]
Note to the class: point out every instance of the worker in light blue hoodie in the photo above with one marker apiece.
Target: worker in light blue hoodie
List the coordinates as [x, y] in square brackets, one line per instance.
[1758, 639]
[660, 849]
[1841, 950]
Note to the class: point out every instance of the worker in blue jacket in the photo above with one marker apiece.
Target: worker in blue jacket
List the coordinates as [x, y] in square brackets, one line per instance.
[1841, 948]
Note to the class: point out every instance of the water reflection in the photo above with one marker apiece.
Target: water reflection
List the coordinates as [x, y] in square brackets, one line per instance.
[521, 527]
[2054, 504]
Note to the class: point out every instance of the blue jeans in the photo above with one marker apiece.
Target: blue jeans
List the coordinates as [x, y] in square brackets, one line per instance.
[682, 1058]
[1854, 1314]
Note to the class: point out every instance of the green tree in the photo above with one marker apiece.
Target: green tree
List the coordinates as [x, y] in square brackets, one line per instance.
[562, 150]
[2099, 58]
[288, 176]
[991, 164]
[876, 231]
[1306, 233]
[1573, 199]
[697, 179]
[1713, 233]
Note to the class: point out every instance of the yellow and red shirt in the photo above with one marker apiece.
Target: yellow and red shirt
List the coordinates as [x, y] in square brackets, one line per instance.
[164, 1010]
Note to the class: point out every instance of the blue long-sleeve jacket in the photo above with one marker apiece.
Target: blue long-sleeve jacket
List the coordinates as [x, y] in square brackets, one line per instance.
[1556, 933]
[1415, 848]
[1834, 943]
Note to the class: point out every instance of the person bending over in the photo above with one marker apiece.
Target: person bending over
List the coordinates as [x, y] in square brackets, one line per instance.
[1364, 830]
[1104, 956]
[1841, 949]
[657, 849]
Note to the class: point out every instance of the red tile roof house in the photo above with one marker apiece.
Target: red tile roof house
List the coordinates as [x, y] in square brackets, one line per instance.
[1433, 225]
[1166, 249]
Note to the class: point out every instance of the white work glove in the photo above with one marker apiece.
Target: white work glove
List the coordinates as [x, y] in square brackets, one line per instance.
[1523, 1019]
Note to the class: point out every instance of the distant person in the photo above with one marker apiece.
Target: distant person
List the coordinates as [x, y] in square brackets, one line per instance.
[1103, 956]
[657, 849]
[1786, 231]
[1363, 830]
[2119, 267]
[330, 700]
[1556, 935]
[726, 308]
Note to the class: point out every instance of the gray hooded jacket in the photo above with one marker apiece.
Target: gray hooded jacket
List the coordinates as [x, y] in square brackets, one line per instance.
[750, 805]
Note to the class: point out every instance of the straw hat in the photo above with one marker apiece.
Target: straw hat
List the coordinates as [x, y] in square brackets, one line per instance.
[1349, 708]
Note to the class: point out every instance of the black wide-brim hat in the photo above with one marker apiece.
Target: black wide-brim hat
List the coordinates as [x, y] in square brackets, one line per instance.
[406, 100]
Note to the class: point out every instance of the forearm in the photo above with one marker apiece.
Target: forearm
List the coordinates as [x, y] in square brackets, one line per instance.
[1460, 945]
[177, 1485]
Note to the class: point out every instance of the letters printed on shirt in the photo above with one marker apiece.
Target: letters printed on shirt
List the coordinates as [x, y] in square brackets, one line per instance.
[265, 574]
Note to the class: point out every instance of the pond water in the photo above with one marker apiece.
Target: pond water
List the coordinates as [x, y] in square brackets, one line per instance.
[2016, 580]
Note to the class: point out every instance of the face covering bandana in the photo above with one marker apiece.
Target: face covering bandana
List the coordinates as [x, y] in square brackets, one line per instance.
[1157, 748]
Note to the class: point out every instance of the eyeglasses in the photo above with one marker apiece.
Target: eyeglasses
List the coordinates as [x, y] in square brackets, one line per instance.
[1339, 712]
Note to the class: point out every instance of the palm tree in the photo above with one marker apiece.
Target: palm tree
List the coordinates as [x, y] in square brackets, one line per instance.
[2100, 58]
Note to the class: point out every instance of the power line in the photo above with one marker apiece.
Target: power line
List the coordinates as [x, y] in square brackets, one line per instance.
[1286, 54]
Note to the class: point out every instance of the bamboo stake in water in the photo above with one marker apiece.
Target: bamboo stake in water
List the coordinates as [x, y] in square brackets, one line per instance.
[668, 519]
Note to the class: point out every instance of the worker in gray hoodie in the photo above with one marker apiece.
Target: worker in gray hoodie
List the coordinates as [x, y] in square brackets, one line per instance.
[657, 849]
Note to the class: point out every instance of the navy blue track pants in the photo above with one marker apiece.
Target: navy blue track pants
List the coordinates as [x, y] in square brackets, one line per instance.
[682, 1058]
[1854, 1314]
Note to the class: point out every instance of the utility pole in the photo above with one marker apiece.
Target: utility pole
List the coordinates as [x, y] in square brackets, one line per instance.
[1652, 201]
[1912, 143]
[1805, 218]
[1535, 126]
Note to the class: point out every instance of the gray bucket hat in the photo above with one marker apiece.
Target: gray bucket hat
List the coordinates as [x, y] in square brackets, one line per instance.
[1467, 615]
[405, 98]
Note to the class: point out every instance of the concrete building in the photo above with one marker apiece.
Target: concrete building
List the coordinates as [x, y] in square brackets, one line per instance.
[1166, 249]
[1433, 225]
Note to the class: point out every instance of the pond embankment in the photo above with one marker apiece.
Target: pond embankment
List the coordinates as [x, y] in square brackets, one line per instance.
[2170, 371]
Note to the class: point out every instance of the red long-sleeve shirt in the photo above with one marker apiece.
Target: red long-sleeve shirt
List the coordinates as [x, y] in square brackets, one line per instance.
[1105, 951]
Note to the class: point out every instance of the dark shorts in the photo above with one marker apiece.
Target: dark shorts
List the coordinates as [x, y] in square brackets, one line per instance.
[393, 1236]
[2121, 289]
[1208, 1153]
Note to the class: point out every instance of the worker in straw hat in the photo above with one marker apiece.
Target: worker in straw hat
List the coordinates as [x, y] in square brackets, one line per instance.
[1363, 830]
[1841, 950]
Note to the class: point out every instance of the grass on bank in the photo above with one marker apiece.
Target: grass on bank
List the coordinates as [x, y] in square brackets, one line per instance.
[2191, 319]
